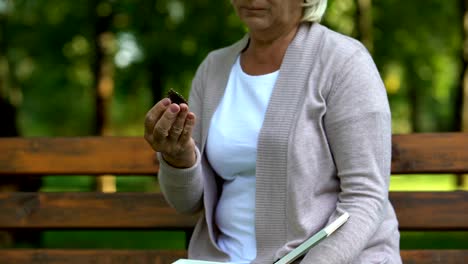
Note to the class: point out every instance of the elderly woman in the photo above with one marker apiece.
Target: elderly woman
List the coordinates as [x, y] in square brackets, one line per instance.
[284, 131]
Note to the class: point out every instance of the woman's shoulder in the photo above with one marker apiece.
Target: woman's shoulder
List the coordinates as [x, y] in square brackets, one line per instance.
[219, 62]
[335, 51]
[336, 42]
[228, 53]
[318, 45]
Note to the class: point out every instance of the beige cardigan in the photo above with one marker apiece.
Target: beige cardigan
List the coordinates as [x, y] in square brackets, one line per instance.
[324, 148]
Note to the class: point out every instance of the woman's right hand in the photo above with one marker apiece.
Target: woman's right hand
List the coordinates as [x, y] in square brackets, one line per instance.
[168, 129]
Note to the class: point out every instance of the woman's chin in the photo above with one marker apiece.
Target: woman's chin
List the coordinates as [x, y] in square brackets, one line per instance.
[256, 24]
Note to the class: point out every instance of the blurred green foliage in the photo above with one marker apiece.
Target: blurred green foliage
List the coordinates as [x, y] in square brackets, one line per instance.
[49, 47]
[419, 51]
[158, 44]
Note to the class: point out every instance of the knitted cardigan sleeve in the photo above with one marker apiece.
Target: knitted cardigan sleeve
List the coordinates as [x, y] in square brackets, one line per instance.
[183, 188]
[358, 128]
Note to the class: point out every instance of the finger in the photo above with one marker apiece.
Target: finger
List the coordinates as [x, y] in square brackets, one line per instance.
[178, 125]
[188, 128]
[164, 124]
[154, 114]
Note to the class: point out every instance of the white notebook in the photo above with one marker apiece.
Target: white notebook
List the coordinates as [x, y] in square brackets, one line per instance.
[297, 252]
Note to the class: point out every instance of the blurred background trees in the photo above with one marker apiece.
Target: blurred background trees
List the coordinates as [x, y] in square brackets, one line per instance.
[94, 67]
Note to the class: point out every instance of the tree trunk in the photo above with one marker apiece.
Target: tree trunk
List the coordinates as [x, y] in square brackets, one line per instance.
[364, 23]
[8, 110]
[462, 98]
[103, 68]
[153, 64]
[461, 103]
[9, 100]
[414, 97]
[8, 114]
[156, 80]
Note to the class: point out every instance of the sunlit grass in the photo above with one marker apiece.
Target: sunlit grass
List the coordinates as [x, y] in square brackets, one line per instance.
[114, 239]
[416, 182]
[67, 183]
[434, 240]
[88, 183]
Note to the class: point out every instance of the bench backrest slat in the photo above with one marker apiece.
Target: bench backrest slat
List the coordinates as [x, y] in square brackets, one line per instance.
[412, 153]
[430, 153]
[89, 210]
[446, 211]
[77, 156]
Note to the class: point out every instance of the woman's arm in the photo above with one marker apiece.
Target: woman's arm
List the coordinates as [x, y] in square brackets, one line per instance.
[358, 128]
[183, 188]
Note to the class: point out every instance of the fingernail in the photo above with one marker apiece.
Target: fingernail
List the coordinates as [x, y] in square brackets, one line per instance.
[166, 102]
[183, 107]
[174, 108]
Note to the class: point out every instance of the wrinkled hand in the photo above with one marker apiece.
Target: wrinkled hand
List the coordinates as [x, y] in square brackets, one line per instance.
[168, 129]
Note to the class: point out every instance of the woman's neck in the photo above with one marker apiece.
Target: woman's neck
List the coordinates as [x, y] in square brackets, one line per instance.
[265, 55]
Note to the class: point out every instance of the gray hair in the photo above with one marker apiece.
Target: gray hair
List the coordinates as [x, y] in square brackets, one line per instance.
[313, 10]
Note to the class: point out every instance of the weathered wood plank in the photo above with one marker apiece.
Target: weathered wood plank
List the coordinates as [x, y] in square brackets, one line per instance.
[50, 256]
[413, 153]
[431, 210]
[434, 256]
[89, 210]
[87, 155]
[430, 153]
[415, 211]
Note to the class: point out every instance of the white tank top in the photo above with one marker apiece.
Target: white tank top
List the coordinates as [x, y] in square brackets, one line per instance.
[232, 151]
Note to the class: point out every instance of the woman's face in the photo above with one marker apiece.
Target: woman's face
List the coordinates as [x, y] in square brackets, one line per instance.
[261, 15]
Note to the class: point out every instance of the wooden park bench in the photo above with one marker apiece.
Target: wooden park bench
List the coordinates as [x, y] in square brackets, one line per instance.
[23, 157]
